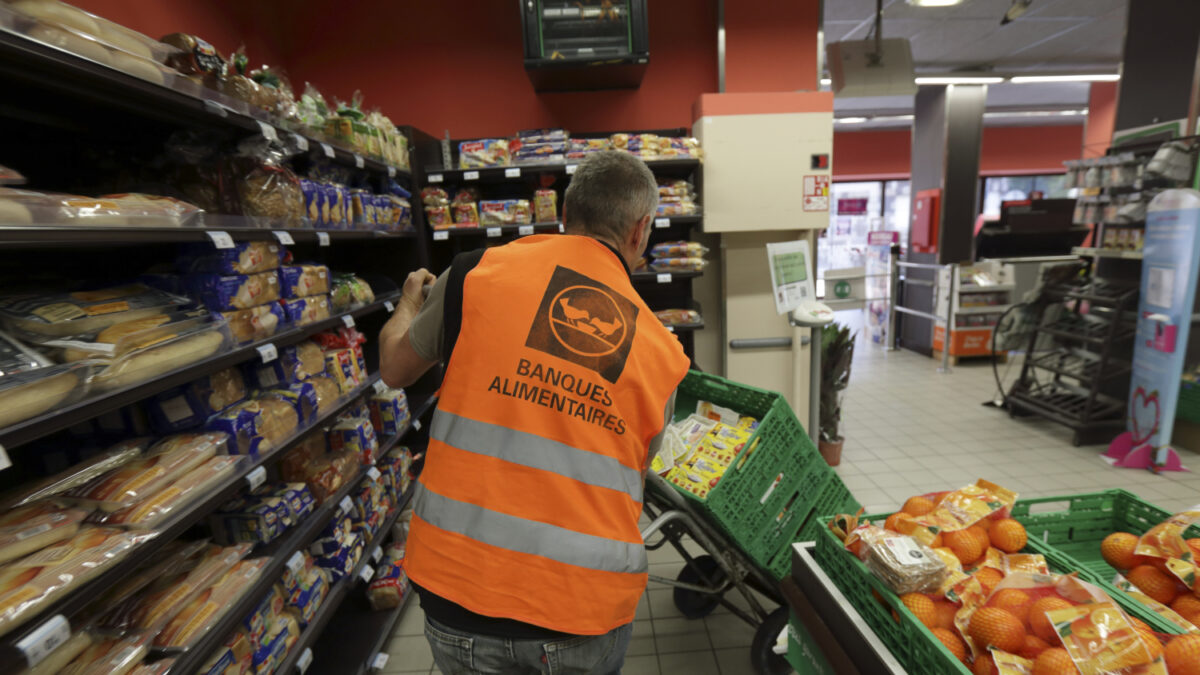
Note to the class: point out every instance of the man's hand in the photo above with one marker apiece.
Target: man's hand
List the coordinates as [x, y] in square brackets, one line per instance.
[415, 286]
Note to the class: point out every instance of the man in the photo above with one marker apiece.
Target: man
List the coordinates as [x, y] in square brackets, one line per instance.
[524, 545]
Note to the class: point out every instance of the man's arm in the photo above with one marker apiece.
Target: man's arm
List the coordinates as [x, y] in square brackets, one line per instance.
[399, 363]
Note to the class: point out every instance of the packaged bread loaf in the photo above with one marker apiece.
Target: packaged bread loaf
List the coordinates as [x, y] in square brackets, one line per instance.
[152, 361]
[111, 656]
[301, 281]
[210, 605]
[256, 323]
[295, 363]
[63, 654]
[125, 338]
[302, 396]
[29, 583]
[303, 311]
[158, 507]
[266, 188]
[224, 292]
[247, 257]
[190, 405]
[30, 384]
[166, 461]
[31, 528]
[111, 458]
[84, 312]
[196, 59]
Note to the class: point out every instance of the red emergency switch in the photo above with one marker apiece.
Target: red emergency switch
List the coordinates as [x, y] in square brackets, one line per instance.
[820, 161]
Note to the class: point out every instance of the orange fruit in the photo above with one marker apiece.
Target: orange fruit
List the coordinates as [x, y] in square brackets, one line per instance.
[985, 524]
[1154, 583]
[988, 577]
[1034, 645]
[1013, 600]
[1117, 550]
[1183, 655]
[1054, 661]
[1152, 644]
[939, 496]
[917, 506]
[937, 541]
[1039, 623]
[1194, 544]
[984, 665]
[952, 642]
[1008, 535]
[922, 607]
[966, 546]
[1186, 605]
[993, 627]
[894, 520]
[1137, 623]
[981, 534]
[945, 615]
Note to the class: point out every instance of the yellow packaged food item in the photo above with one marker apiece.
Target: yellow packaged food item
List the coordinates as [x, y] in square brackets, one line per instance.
[701, 470]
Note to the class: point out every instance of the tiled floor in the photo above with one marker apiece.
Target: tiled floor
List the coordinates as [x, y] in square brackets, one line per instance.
[909, 430]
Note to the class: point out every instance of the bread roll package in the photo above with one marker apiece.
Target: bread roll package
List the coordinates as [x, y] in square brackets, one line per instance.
[155, 510]
[247, 257]
[31, 385]
[166, 461]
[224, 292]
[55, 314]
[112, 656]
[189, 406]
[63, 654]
[256, 323]
[295, 363]
[303, 311]
[199, 616]
[171, 354]
[389, 411]
[327, 391]
[302, 396]
[107, 460]
[301, 281]
[31, 528]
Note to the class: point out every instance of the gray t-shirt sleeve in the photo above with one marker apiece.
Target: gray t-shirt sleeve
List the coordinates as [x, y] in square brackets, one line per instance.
[427, 328]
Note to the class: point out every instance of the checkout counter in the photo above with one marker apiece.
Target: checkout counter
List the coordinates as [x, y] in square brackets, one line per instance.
[1028, 234]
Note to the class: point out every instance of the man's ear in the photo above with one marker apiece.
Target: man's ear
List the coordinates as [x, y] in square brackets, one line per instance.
[640, 235]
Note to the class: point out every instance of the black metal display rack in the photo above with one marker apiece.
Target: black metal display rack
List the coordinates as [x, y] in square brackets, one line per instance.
[70, 124]
[665, 290]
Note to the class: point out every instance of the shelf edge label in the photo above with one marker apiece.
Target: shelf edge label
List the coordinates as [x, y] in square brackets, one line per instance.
[301, 142]
[283, 237]
[387, 304]
[322, 238]
[5, 461]
[380, 661]
[38, 644]
[328, 150]
[256, 477]
[305, 660]
[391, 172]
[358, 161]
[664, 278]
[525, 230]
[220, 239]
[512, 173]
[493, 232]
[470, 175]
[268, 131]
[441, 235]
[347, 505]
[416, 424]
[348, 320]
[216, 108]
[366, 574]
[436, 178]
[571, 169]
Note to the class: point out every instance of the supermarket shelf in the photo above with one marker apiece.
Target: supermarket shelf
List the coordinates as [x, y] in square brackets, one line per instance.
[1065, 405]
[984, 309]
[1090, 332]
[67, 235]
[1079, 366]
[986, 289]
[1106, 253]
[494, 230]
[671, 277]
[279, 551]
[686, 327]
[78, 599]
[348, 583]
[32, 61]
[500, 174]
[61, 418]
[356, 637]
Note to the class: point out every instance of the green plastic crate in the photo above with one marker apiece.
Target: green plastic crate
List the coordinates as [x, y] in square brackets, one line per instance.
[1188, 407]
[778, 481]
[1072, 526]
[804, 654]
[834, 498]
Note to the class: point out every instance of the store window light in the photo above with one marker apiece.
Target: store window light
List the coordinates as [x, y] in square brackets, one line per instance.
[959, 79]
[850, 120]
[934, 3]
[1097, 77]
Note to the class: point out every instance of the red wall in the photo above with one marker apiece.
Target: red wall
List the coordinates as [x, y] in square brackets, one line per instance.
[1006, 150]
[1102, 117]
[771, 45]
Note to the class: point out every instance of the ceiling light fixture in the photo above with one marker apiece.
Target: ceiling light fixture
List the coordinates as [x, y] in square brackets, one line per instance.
[825, 82]
[1099, 77]
[955, 79]
[934, 3]
[1034, 113]
[851, 120]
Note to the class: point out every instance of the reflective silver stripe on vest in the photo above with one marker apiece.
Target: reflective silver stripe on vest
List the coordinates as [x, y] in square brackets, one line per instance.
[535, 452]
[528, 536]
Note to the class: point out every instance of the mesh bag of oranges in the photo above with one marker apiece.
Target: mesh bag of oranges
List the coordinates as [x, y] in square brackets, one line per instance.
[1160, 569]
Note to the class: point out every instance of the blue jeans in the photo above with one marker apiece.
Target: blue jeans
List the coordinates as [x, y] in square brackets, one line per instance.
[459, 653]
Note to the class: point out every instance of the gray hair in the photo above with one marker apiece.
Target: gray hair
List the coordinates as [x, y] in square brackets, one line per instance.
[610, 192]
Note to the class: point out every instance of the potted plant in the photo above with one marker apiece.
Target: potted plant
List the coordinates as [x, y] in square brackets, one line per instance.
[837, 352]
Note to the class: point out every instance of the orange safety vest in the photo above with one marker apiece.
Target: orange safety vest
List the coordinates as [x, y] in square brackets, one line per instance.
[528, 505]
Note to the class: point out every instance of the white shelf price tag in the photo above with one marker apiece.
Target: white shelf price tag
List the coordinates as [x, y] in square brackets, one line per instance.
[296, 563]
[283, 237]
[436, 178]
[358, 161]
[322, 239]
[561, 229]
[305, 660]
[493, 232]
[670, 329]
[380, 386]
[387, 304]
[366, 574]
[268, 131]
[346, 505]
[301, 142]
[662, 222]
[391, 172]
[512, 173]
[215, 108]
[327, 149]
[470, 175]
[664, 278]
[44, 639]
[256, 477]
[268, 352]
[220, 239]
[379, 662]
[571, 169]
[348, 320]
[376, 554]
[525, 230]
[416, 424]
[441, 235]
[5, 462]
[373, 473]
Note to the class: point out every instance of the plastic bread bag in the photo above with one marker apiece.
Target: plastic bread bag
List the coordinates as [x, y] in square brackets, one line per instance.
[127, 337]
[107, 460]
[545, 206]
[294, 363]
[153, 511]
[189, 405]
[485, 152]
[27, 584]
[350, 291]
[57, 314]
[302, 396]
[439, 217]
[678, 249]
[678, 264]
[200, 342]
[899, 561]
[266, 188]
[465, 214]
[316, 208]
[247, 257]
[677, 317]
[111, 656]
[434, 196]
[388, 587]
[30, 385]
[63, 654]
[241, 423]
[31, 528]
[224, 292]
[162, 590]
[355, 435]
[401, 220]
[301, 281]
[303, 311]
[389, 411]
[327, 391]
[159, 667]
[121, 210]
[543, 135]
[255, 323]
[164, 462]
[210, 605]
[505, 212]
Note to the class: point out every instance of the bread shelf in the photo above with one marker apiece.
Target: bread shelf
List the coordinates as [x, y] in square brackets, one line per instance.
[89, 408]
[178, 101]
[1106, 253]
[505, 174]
[359, 634]
[494, 231]
[671, 277]
[67, 235]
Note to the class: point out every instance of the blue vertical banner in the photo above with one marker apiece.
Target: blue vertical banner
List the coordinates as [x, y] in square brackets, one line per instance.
[1170, 265]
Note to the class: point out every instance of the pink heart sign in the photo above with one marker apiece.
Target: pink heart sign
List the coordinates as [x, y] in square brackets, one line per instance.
[1139, 406]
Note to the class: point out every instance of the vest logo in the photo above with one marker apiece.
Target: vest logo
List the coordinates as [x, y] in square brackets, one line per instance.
[585, 322]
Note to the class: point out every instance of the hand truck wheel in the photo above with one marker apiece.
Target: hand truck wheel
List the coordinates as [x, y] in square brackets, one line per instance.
[762, 655]
[693, 604]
